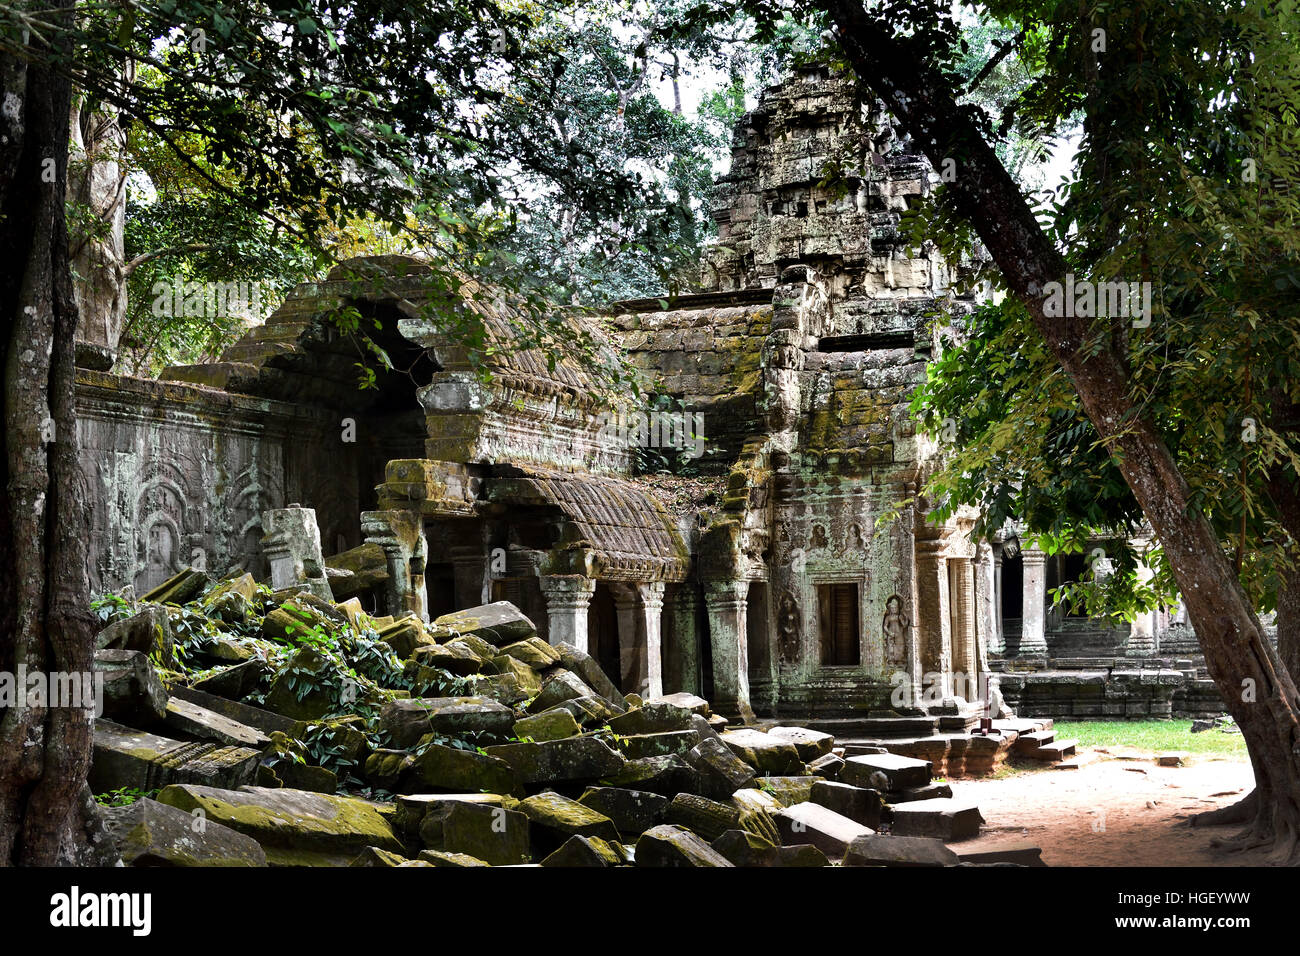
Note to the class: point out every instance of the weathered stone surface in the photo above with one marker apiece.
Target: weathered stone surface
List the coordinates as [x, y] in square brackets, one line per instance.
[900, 773]
[721, 772]
[303, 701]
[188, 719]
[828, 766]
[452, 769]
[178, 589]
[555, 818]
[667, 775]
[563, 685]
[652, 718]
[534, 652]
[668, 845]
[149, 833]
[295, 828]
[404, 636]
[557, 761]
[763, 752]
[946, 819]
[655, 745]
[856, 803]
[706, 817]
[246, 714]
[232, 600]
[132, 758]
[493, 834]
[373, 856]
[744, 848]
[524, 677]
[1018, 854]
[754, 800]
[554, 724]
[481, 648]
[132, 692]
[811, 744]
[455, 860]
[500, 623]
[589, 711]
[234, 683]
[876, 850]
[406, 721]
[364, 568]
[584, 851]
[789, 790]
[931, 791]
[412, 807]
[586, 667]
[825, 829]
[148, 632]
[633, 811]
[696, 705]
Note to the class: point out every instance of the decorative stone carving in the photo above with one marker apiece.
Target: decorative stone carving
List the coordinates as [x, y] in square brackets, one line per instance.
[896, 629]
[789, 629]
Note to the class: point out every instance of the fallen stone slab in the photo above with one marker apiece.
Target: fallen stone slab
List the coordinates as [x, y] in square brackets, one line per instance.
[373, 856]
[586, 852]
[696, 705]
[453, 769]
[860, 804]
[1177, 758]
[443, 858]
[789, 790]
[554, 724]
[931, 791]
[754, 800]
[668, 845]
[1018, 854]
[811, 744]
[124, 757]
[132, 693]
[653, 718]
[667, 775]
[559, 761]
[499, 623]
[555, 818]
[181, 588]
[188, 719]
[517, 673]
[454, 658]
[945, 818]
[633, 811]
[589, 711]
[561, 686]
[655, 745]
[586, 667]
[707, 818]
[533, 652]
[148, 631]
[411, 807]
[294, 827]
[763, 752]
[149, 833]
[236, 682]
[825, 829]
[406, 721]
[263, 720]
[493, 834]
[877, 850]
[721, 772]
[743, 848]
[828, 766]
[899, 773]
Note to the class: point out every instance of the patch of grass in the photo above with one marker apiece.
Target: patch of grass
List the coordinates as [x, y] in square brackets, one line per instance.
[1156, 735]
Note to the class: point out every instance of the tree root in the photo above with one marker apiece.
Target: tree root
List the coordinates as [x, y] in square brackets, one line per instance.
[1244, 810]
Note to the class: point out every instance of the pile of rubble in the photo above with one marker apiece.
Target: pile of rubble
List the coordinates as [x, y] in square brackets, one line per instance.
[255, 728]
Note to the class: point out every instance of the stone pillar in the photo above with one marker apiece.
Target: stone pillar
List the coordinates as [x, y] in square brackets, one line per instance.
[932, 618]
[652, 606]
[726, 603]
[686, 638]
[1033, 615]
[292, 546]
[631, 640]
[469, 569]
[964, 660]
[997, 599]
[988, 626]
[1142, 632]
[401, 536]
[568, 597]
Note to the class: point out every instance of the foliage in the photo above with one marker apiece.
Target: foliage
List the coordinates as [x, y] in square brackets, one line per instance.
[124, 796]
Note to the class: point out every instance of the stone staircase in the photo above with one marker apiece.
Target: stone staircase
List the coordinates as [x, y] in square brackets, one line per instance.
[1043, 745]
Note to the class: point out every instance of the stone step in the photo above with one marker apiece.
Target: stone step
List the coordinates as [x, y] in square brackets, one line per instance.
[1028, 743]
[1056, 751]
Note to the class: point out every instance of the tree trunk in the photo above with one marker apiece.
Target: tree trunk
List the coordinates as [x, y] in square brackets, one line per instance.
[46, 816]
[1256, 688]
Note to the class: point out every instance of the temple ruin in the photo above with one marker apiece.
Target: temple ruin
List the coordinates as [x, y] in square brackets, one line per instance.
[792, 573]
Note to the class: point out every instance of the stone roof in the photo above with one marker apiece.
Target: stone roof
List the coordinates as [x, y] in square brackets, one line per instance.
[613, 529]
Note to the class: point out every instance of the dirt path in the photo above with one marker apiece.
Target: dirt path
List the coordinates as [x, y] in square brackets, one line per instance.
[1114, 812]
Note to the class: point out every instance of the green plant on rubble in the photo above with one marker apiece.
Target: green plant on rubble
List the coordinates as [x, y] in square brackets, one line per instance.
[123, 796]
[111, 608]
